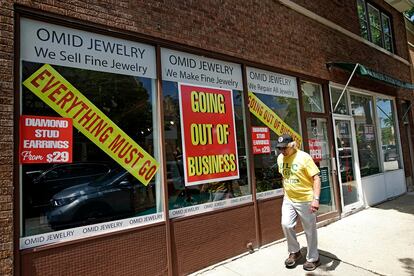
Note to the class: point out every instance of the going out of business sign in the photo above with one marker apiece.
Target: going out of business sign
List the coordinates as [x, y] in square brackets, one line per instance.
[208, 134]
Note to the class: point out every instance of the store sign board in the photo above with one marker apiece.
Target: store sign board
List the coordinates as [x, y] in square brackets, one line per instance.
[67, 101]
[208, 134]
[271, 119]
[260, 140]
[88, 231]
[45, 140]
[315, 149]
[48, 43]
[187, 68]
[266, 82]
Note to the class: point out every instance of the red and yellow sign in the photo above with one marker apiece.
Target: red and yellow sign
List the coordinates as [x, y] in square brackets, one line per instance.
[208, 133]
[68, 102]
[270, 119]
[45, 140]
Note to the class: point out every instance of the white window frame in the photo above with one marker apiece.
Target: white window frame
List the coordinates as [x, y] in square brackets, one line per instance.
[374, 95]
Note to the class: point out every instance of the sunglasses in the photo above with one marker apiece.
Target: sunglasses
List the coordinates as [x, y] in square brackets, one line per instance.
[282, 148]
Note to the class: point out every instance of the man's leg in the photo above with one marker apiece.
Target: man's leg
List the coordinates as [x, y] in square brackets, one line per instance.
[289, 218]
[308, 220]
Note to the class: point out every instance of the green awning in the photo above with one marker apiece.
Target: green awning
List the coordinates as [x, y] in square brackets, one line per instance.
[368, 72]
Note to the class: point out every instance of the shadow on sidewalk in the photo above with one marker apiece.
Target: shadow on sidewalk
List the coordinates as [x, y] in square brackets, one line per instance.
[403, 204]
[408, 264]
[329, 261]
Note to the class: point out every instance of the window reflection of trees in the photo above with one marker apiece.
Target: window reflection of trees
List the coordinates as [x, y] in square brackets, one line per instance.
[362, 111]
[390, 150]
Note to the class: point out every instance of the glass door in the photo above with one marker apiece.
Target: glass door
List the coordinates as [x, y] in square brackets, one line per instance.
[319, 150]
[349, 176]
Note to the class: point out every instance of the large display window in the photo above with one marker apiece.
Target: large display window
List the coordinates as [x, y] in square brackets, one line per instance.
[88, 128]
[389, 140]
[204, 133]
[274, 110]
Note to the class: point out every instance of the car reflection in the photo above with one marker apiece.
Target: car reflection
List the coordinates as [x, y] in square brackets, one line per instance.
[41, 185]
[390, 152]
[115, 195]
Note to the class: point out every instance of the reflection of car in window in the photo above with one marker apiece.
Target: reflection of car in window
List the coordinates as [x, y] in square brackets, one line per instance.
[390, 152]
[40, 186]
[115, 195]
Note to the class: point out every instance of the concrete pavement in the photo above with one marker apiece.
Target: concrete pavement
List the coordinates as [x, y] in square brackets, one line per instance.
[375, 241]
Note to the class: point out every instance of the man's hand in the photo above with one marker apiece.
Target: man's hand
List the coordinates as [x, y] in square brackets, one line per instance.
[314, 206]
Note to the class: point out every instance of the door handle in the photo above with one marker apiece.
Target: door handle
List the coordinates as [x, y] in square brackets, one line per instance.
[333, 165]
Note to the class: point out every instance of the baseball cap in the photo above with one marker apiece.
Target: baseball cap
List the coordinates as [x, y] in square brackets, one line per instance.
[284, 140]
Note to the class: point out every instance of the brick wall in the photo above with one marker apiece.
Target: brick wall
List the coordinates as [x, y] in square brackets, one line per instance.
[344, 13]
[6, 138]
[200, 242]
[263, 32]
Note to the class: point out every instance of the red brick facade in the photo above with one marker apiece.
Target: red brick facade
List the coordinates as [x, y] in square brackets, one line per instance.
[263, 33]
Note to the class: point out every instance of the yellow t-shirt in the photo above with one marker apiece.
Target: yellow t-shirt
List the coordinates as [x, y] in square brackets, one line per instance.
[297, 171]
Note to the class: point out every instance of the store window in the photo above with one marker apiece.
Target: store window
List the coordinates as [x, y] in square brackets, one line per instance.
[365, 127]
[274, 110]
[204, 133]
[312, 97]
[88, 134]
[339, 101]
[375, 25]
[389, 140]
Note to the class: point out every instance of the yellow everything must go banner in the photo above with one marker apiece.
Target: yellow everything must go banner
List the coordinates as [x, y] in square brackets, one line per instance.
[270, 119]
[68, 102]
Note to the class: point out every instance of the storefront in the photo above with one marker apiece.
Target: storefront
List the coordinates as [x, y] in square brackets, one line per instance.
[139, 155]
[90, 143]
[368, 148]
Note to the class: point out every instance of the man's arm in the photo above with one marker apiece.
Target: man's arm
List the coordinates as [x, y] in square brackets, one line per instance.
[316, 193]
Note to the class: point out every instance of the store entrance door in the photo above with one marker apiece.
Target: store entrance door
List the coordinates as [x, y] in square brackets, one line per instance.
[348, 167]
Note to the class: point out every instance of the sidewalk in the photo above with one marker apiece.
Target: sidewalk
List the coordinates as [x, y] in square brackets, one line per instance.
[376, 241]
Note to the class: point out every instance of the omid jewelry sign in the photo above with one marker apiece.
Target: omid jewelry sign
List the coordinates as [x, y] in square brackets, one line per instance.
[208, 133]
[68, 102]
[45, 140]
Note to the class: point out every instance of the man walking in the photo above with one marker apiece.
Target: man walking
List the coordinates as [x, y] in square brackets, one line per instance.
[302, 188]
